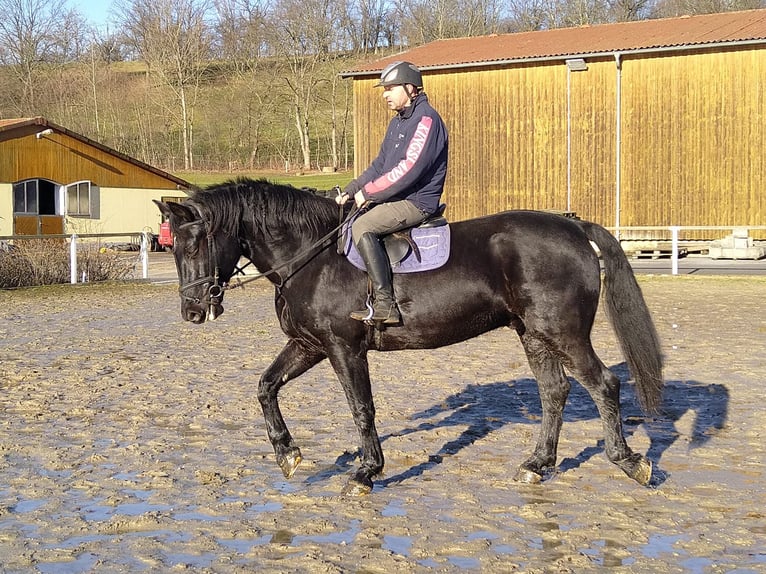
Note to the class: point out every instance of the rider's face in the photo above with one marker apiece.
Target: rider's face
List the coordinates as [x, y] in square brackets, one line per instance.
[396, 97]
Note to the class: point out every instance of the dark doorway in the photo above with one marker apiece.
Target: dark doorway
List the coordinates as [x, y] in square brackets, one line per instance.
[46, 197]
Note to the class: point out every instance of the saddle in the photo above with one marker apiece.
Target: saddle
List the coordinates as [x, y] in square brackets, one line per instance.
[400, 244]
[421, 248]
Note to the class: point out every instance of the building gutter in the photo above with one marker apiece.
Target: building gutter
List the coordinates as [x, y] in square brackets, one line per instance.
[618, 145]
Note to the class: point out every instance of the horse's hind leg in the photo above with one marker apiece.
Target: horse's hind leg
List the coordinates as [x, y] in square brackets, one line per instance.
[604, 388]
[294, 359]
[554, 390]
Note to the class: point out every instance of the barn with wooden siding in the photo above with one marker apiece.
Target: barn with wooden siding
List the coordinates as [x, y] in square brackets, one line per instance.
[53, 180]
[637, 124]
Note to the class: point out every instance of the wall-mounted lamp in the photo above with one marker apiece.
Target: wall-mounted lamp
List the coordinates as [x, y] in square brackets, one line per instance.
[576, 65]
[43, 133]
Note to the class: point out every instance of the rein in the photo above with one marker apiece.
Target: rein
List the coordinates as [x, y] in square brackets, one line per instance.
[308, 251]
[216, 289]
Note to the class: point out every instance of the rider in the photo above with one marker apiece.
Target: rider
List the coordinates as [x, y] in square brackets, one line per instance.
[403, 184]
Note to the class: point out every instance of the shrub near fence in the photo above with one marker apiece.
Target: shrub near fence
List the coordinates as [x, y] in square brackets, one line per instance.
[31, 262]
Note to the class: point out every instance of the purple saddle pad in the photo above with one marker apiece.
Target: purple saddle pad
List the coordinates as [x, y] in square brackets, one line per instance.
[433, 244]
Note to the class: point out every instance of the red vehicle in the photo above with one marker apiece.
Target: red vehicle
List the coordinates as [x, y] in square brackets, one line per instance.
[165, 238]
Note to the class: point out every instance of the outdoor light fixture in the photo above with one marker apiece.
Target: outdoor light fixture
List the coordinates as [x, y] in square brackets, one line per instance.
[576, 65]
[47, 132]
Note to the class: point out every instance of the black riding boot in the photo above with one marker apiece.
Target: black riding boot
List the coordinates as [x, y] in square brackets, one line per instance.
[379, 270]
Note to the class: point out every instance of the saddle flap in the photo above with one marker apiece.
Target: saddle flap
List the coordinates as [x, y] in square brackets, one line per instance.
[399, 245]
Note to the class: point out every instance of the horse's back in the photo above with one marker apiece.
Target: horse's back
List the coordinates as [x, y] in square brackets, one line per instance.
[540, 245]
[507, 269]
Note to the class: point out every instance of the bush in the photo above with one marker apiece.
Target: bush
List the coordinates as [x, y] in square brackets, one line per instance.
[46, 261]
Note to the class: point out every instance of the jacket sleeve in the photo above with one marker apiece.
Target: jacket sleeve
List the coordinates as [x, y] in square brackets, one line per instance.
[423, 149]
[375, 169]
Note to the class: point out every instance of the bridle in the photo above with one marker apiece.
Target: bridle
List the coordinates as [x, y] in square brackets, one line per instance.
[214, 294]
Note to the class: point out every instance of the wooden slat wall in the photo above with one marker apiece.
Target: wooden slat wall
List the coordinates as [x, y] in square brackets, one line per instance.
[594, 141]
[694, 131]
[507, 130]
[693, 135]
[63, 159]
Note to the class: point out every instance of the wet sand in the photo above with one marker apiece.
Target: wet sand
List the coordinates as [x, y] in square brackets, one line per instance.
[131, 441]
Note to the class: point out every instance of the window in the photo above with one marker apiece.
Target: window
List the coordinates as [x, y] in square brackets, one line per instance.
[78, 199]
[25, 197]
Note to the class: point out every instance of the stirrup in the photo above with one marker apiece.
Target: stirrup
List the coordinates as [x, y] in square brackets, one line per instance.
[389, 315]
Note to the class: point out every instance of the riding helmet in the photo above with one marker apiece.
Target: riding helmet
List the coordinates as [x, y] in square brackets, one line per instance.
[399, 74]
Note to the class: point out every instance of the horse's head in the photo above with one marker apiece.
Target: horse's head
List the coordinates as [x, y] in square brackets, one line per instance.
[205, 260]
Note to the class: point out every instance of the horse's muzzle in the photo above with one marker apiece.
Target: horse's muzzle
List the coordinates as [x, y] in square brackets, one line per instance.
[198, 313]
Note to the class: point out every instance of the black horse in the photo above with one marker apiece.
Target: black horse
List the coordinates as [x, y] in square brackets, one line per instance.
[532, 271]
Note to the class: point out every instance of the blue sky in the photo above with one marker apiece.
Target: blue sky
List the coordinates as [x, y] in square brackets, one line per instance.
[96, 12]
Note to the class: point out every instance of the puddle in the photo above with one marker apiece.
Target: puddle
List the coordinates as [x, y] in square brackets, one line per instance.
[85, 562]
[393, 508]
[660, 544]
[398, 544]
[24, 506]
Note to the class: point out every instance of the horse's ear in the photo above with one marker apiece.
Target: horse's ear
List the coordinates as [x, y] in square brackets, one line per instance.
[183, 213]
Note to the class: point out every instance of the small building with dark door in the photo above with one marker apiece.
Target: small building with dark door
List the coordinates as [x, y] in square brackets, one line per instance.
[54, 181]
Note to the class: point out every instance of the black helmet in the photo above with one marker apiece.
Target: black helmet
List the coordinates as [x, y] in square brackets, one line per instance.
[400, 73]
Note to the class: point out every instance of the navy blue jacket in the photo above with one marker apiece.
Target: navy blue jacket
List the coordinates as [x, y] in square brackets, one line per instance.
[412, 161]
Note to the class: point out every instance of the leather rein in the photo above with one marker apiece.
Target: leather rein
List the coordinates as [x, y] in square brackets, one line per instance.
[215, 291]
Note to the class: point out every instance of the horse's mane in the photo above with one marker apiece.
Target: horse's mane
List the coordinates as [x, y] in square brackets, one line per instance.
[269, 206]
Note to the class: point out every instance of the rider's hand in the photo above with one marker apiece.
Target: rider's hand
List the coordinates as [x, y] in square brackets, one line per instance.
[360, 199]
[341, 199]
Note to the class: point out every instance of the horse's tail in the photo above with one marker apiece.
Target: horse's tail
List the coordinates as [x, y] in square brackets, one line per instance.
[630, 318]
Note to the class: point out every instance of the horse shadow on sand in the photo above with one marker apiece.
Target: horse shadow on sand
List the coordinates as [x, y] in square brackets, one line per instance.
[484, 408]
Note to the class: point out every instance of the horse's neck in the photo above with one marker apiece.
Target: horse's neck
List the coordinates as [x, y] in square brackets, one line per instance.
[270, 253]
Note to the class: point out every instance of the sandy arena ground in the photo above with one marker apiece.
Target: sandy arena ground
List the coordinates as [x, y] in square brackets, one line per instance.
[131, 441]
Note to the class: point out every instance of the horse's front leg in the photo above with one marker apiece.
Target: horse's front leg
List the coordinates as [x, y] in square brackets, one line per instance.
[295, 359]
[354, 375]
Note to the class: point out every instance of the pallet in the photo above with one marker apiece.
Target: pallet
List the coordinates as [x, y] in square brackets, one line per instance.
[652, 250]
[658, 253]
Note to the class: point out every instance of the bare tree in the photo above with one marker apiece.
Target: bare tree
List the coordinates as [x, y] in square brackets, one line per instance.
[669, 8]
[33, 34]
[426, 20]
[242, 44]
[305, 35]
[365, 23]
[174, 38]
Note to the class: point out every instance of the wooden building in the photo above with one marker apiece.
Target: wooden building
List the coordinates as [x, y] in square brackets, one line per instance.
[53, 180]
[648, 123]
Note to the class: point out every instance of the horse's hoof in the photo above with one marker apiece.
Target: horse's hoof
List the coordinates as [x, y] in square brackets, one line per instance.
[290, 462]
[640, 471]
[527, 476]
[357, 486]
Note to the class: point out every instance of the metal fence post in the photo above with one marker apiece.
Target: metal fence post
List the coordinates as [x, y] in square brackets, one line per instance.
[73, 259]
[674, 250]
[145, 255]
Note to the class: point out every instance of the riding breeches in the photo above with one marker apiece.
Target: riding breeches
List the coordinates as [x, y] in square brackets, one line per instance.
[386, 218]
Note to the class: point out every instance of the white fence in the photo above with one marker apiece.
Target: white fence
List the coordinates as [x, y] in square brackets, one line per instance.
[676, 230]
[141, 238]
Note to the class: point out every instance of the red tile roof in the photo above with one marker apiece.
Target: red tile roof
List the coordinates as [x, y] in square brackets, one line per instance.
[686, 32]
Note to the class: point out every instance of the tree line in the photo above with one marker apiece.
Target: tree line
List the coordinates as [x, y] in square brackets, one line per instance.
[246, 84]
